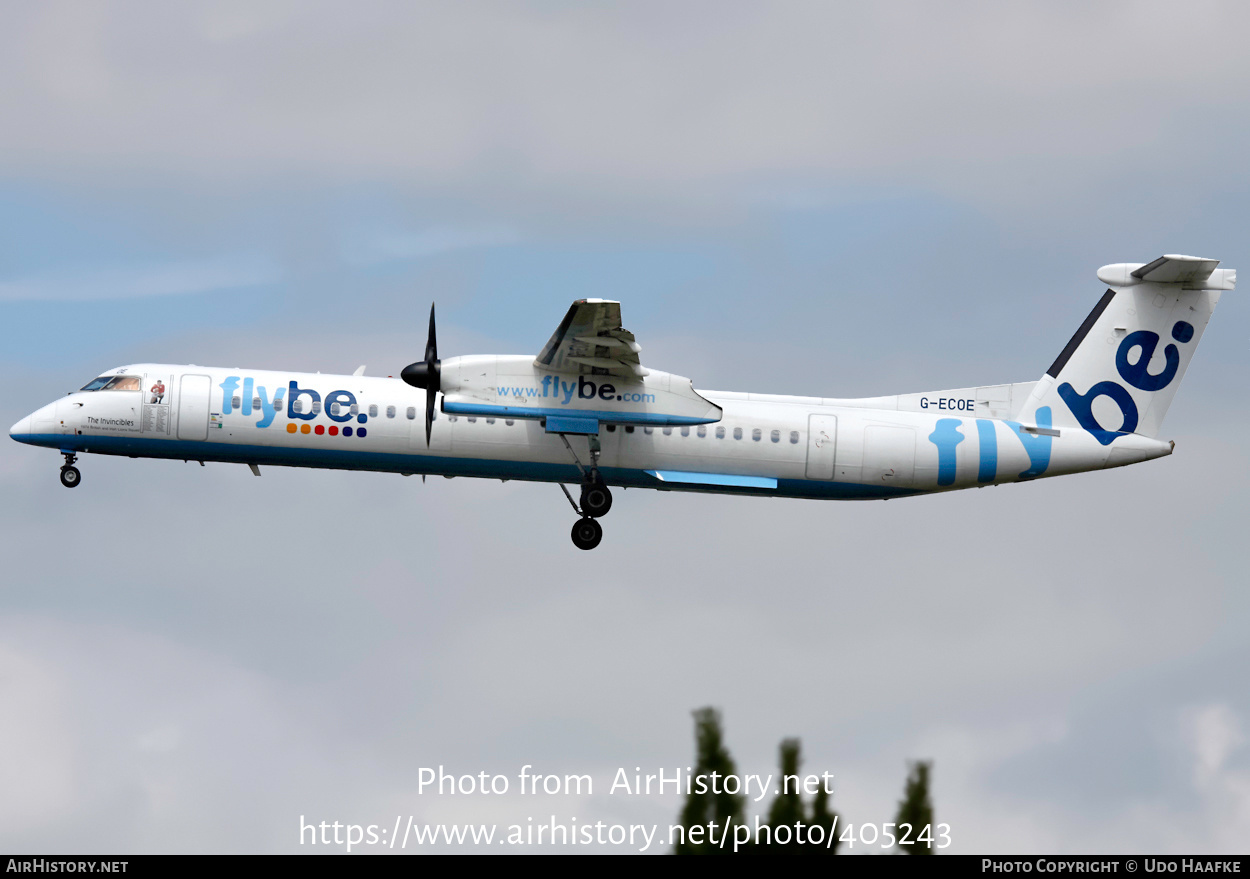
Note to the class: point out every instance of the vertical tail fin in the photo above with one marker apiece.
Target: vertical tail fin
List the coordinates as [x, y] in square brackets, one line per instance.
[1118, 374]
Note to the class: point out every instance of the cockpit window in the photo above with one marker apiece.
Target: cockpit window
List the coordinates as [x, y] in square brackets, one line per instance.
[114, 383]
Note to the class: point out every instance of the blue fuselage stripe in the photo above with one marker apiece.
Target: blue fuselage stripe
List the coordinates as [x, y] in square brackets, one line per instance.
[440, 465]
[604, 415]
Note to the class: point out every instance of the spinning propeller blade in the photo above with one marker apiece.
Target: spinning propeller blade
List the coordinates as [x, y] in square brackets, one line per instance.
[426, 374]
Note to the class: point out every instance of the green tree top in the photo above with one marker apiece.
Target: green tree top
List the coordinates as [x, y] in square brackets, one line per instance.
[916, 808]
[711, 756]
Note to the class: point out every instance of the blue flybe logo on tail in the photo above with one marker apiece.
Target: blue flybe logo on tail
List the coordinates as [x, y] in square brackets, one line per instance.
[1136, 373]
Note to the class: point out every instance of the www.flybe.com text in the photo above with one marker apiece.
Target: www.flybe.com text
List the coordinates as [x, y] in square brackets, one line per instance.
[553, 388]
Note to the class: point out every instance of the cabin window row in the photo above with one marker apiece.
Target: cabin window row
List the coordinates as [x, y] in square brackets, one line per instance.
[757, 434]
[411, 413]
[335, 408]
[472, 419]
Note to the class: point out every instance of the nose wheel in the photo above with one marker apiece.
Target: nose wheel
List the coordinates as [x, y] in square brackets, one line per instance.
[70, 477]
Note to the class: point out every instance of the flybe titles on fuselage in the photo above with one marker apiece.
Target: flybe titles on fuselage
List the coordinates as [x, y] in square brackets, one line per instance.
[302, 404]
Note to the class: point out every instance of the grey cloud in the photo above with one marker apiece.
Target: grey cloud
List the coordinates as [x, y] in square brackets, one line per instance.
[1010, 101]
[142, 280]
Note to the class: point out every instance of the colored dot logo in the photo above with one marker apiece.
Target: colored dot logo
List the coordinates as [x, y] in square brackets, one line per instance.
[332, 430]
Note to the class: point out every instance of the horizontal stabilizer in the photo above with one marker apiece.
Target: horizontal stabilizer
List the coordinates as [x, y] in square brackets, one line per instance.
[1193, 272]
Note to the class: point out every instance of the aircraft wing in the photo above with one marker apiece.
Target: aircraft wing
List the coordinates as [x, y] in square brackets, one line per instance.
[591, 341]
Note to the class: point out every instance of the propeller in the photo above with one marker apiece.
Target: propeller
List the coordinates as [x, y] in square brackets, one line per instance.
[426, 374]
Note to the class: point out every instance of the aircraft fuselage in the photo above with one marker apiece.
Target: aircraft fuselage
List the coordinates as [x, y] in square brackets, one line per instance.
[769, 445]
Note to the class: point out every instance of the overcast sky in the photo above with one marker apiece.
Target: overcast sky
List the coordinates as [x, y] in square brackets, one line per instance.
[793, 198]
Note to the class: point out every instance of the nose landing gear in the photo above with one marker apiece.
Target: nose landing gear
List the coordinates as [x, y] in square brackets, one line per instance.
[70, 477]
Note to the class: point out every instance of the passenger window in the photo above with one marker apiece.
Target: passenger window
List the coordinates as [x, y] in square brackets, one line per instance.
[412, 412]
[756, 434]
[256, 402]
[702, 430]
[737, 433]
[629, 428]
[335, 408]
[373, 410]
[490, 421]
[611, 428]
[720, 433]
[685, 431]
[236, 402]
[775, 436]
[316, 407]
[390, 411]
[668, 431]
[355, 409]
[794, 437]
[297, 406]
[648, 430]
[451, 418]
[472, 419]
[508, 422]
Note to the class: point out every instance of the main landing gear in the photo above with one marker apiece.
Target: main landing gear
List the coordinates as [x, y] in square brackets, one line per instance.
[70, 477]
[596, 498]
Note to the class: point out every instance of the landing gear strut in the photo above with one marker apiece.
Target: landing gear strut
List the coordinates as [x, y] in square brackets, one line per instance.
[596, 498]
[70, 477]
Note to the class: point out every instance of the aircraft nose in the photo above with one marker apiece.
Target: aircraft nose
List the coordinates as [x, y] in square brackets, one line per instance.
[21, 430]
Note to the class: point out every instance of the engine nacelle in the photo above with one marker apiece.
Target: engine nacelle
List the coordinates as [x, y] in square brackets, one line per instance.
[513, 387]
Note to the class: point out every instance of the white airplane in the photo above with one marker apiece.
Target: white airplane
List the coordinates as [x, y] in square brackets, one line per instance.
[585, 411]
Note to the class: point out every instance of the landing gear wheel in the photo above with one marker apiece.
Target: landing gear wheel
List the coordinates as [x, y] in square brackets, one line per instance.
[587, 533]
[596, 499]
[70, 477]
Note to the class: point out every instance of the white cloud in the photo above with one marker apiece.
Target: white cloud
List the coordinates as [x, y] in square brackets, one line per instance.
[1216, 734]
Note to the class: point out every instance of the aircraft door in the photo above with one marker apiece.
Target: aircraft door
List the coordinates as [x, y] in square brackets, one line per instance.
[193, 394]
[822, 443]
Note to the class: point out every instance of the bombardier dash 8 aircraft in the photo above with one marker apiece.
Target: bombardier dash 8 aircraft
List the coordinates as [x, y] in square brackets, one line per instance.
[585, 411]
